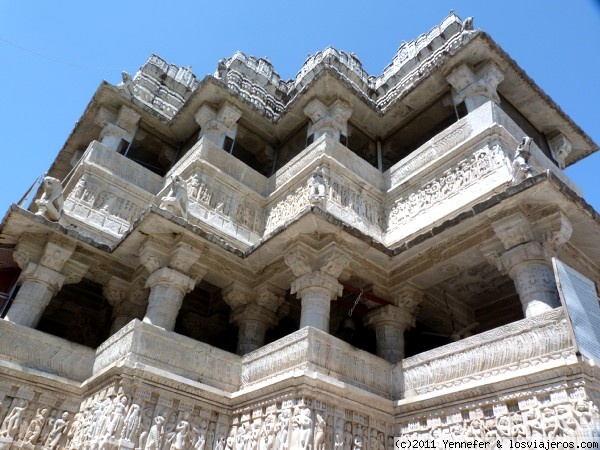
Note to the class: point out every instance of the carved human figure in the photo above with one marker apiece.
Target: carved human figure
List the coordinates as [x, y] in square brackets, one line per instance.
[533, 424]
[12, 422]
[60, 425]
[566, 419]
[210, 436]
[231, 438]
[156, 434]
[240, 439]
[220, 443]
[503, 428]
[253, 436]
[35, 426]
[117, 416]
[281, 430]
[193, 186]
[317, 186]
[267, 434]
[201, 436]
[176, 201]
[521, 169]
[357, 443]
[320, 426]
[179, 440]
[131, 423]
[519, 429]
[550, 423]
[348, 438]
[584, 412]
[50, 205]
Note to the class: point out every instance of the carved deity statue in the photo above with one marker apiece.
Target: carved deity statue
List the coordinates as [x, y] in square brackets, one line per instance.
[179, 441]
[317, 186]
[12, 422]
[201, 436]
[35, 426]
[176, 200]
[50, 205]
[60, 425]
[155, 436]
[521, 169]
[131, 423]
[319, 440]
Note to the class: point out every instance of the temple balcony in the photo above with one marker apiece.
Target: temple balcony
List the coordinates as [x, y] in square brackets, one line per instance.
[467, 162]
[541, 346]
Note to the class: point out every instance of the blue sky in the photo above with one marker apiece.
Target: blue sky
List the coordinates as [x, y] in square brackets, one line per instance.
[55, 54]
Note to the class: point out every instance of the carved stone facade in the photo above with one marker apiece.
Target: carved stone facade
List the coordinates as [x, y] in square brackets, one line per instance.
[323, 263]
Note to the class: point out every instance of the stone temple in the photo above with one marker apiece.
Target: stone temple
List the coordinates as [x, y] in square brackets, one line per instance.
[247, 263]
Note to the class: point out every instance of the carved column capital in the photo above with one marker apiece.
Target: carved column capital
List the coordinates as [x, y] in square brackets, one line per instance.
[390, 315]
[253, 312]
[269, 296]
[253, 322]
[170, 277]
[237, 294]
[475, 88]
[183, 257]
[314, 281]
[331, 121]
[408, 298]
[513, 230]
[116, 290]
[215, 125]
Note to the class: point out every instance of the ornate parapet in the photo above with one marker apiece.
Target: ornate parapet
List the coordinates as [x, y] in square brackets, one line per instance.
[145, 344]
[312, 350]
[491, 356]
[31, 349]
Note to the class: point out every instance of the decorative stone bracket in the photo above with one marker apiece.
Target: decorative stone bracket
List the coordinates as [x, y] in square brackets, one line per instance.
[217, 125]
[475, 88]
[331, 121]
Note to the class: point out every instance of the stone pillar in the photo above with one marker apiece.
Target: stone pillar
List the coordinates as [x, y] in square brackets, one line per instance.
[331, 121]
[169, 280]
[38, 285]
[41, 280]
[217, 125]
[117, 129]
[475, 89]
[391, 321]
[317, 283]
[125, 298]
[167, 289]
[253, 311]
[526, 260]
[253, 322]
[528, 266]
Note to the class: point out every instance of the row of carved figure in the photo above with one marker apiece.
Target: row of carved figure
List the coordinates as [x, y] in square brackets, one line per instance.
[44, 428]
[569, 419]
[114, 420]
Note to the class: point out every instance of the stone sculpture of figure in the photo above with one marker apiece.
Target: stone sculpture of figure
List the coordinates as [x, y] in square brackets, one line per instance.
[131, 423]
[253, 436]
[12, 422]
[201, 439]
[319, 440]
[155, 435]
[50, 205]
[338, 440]
[267, 434]
[182, 431]
[240, 440]
[358, 439]
[550, 423]
[193, 186]
[210, 436]
[586, 415]
[35, 426]
[117, 416]
[348, 438]
[60, 425]
[127, 84]
[176, 200]
[533, 426]
[566, 419]
[231, 439]
[220, 444]
[317, 186]
[521, 169]
[281, 430]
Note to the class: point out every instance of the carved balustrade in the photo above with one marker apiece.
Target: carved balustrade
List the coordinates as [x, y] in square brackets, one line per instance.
[141, 343]
[313, 350]
[518, 345]
[36, 350]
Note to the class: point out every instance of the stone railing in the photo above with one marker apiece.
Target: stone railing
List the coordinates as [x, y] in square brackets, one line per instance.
[310, 349]
[32, 349]
[497, 352]
[149, 345]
